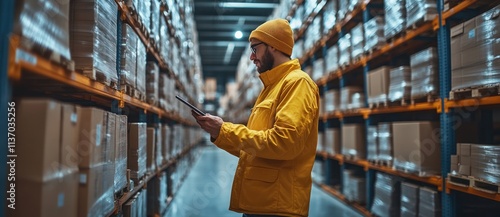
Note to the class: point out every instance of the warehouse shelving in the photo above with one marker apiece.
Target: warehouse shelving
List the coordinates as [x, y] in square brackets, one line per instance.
[33, 74]
[438, 30]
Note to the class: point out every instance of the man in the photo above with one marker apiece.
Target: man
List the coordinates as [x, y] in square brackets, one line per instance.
[277, 148]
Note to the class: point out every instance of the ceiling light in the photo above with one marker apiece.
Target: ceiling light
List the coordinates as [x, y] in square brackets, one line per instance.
[238, 34]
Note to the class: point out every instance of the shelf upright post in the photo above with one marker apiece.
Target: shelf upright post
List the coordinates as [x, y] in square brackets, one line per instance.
[446, 119]
[370, 174]
[6, 15]
[341, 85]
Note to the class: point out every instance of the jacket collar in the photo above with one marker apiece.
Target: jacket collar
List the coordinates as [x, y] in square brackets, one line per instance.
[275, 74]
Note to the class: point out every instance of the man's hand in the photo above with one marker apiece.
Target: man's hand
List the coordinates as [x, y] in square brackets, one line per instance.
[209, 123]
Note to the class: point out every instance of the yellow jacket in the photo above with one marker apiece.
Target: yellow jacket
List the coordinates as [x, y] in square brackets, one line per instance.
[277, 149]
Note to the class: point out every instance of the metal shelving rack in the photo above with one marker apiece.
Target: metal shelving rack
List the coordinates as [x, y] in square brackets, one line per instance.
[442, 106]
[18, 63]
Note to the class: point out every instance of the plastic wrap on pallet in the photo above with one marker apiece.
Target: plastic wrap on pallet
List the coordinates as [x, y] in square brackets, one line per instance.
[154, 22]
[332, 100]
[152, 81]
[372, 143]
[343, 7]
[150, 150]
[332, 56]
[424, 73]
[44, 23]
[409, 200]
[357, 40]
[395, 12]
[163, 91]
[354, 187]
[485, 162]
[345, 50]
[164, 40]
[166, 142]
[400, 83]
[121, 153]
[429, 203]
[159, 146]
[297, 19]
[298, 49]
[374, 33]
[95, 191]
[351, 97]
[128, 55]
[332, 141]
[140, 82]
[329, 16]
[93, 36]
[378, 85]
[384, 135]
[386, 201]
[313, 33]
[318, 69]
[419, 10]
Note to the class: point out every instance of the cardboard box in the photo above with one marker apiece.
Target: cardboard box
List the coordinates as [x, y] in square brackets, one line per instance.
[92, 137]
[464, 170]
[468, 39]
[353, 140]
[54, 197]
[332, 141]
[38, 128]
[95, 191]
[378, 84]
[137, 150]
[69, 136]
[457, 30]
[465, 149]
[454, 159]
[120, 180]
[151, 141]
[417, 146]
[465, 160]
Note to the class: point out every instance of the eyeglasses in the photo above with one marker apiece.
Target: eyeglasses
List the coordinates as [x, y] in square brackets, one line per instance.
[252, 47]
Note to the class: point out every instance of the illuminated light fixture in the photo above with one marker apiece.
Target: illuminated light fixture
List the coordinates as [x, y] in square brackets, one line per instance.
[238, 34]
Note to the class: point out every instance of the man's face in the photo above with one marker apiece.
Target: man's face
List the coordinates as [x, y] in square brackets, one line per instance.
[261, 57]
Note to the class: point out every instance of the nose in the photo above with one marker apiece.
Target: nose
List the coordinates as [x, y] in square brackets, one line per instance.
[252, 56]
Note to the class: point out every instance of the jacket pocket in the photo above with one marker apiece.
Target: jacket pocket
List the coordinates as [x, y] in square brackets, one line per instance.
[262, 116]
[259, 190]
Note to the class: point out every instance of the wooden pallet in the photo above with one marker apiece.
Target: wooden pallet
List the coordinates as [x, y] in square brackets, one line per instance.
[475, 92]
[429, 97]
[421, 21]
[473, 182]
[99, 76]
[387, 103]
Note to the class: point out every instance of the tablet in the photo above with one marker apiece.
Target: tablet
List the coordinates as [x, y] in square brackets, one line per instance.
[197, 110]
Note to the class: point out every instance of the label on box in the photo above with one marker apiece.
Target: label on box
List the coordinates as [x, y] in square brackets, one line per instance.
[98, 135]
[60, 200]
[74, 118]
[83, 178]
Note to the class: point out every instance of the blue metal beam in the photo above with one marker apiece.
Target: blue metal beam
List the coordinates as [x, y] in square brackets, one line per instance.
[6, 15]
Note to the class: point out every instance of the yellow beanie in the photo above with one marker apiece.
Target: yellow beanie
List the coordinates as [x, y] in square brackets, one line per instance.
[276, 33]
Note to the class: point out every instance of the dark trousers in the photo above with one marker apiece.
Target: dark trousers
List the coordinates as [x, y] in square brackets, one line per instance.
[257, 215]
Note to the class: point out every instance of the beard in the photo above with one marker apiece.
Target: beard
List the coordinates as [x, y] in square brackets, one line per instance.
[267, 62]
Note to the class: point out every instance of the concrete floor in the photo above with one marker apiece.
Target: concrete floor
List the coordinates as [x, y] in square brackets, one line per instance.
[206, 191]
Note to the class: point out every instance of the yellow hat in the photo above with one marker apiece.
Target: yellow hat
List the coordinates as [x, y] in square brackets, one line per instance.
[276, 33]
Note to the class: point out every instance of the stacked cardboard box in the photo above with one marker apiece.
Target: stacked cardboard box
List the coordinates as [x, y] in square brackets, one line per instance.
[332, 141]
[152, 82]
[136, 206]
[351, 97]
[93, 38]
[417, 147]
[318, 69]
[374, 33]
[47, 164]
[44, 24]
[332, 100]
[378, 85]
[332, 56]
[354, 187]
[424, 73]
[345, 50]
[329, 16]
[395, 12]
[372, 143]
[150, 150]
[385, 147]
[409, 200]
[475, 51]
[400, 83]
[137, 150]
[417, 11]
[120, 153]
[484, 162]
[353, 142]
[386, 201]
[429, 203]
[357, 41]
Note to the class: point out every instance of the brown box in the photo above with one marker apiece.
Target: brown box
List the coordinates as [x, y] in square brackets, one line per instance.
[456, 53]
[69, 136]
[457, 30]
[464, 149]
[465, 160]
[378, 84]
[151, 141]
[92, 137]
[353, 140]
[37, 139]
[468, 38]
[54, 197]
[120, 152]
[332, 141]
[417, 146]
[95, 191]
[454, 159]
[464, 170]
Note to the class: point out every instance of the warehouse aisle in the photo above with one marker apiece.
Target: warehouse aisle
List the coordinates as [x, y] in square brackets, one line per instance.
[206, 191]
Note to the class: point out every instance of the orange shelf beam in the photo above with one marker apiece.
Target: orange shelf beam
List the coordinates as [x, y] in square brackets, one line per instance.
[473, 102]
[432, 180]
[472, 191]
